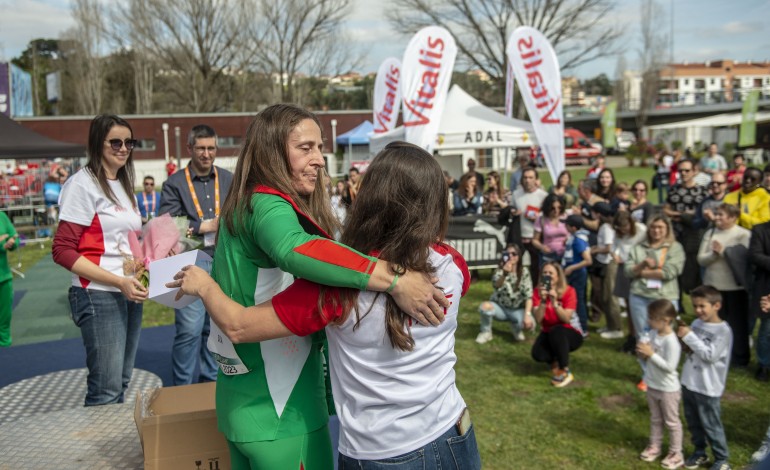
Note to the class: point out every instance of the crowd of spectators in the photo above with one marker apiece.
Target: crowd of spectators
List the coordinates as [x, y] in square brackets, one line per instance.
[711, 229]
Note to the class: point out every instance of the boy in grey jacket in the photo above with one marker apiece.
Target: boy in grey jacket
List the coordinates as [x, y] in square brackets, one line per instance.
[703, 377]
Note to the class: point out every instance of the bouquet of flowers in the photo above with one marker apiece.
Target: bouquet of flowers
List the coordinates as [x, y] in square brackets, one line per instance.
[159, 238]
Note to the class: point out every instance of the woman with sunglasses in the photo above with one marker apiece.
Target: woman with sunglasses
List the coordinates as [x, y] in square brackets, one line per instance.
[98, 210]
[640, 209]
[511, 299]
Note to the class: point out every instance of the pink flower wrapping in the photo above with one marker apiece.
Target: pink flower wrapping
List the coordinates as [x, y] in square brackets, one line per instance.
[159, 239]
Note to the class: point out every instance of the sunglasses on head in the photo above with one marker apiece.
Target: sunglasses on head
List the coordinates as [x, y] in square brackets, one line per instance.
[116, 144]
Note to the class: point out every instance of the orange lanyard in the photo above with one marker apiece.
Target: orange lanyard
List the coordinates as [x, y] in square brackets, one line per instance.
[195, 196]
[144, 200]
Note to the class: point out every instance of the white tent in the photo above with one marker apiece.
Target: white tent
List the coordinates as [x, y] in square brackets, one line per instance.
[719, 128]
[467, 124]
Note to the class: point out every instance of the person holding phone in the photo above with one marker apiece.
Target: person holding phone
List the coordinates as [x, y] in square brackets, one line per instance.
[511, 300]
[555, 304]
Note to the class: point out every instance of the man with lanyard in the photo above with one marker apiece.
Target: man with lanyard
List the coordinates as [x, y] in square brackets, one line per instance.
[197, 193]
[681, 205]
[148, 200]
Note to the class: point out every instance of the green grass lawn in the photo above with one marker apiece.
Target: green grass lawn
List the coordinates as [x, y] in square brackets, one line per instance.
[600, 421]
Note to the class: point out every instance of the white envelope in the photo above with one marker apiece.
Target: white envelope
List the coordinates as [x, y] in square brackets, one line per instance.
[163, 270]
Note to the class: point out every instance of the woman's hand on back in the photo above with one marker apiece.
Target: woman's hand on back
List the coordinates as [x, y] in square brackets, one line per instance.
[416, 294]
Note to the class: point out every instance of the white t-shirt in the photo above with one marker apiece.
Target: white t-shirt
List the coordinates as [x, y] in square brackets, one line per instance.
[389, 401]
[530, 204]
[105, 239]
[623, 245]
[711, 164]
[605, 238]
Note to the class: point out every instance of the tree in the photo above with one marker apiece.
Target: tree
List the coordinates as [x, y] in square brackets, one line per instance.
[193, 41]
[576, 28]
[40, 58]
[598, 85]
[299, 35]
[651, 58]
[85, 63]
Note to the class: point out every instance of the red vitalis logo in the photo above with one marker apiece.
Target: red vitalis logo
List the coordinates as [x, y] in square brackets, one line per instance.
[432, 60]
[386, 114]
[532, 60]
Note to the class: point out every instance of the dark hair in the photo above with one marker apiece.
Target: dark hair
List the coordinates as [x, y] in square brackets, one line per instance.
[498, 182]
[97, 134]
[519, 264]
[757, 172]
[642, 182]
[689, 160]
[548, 204]
[525, 170]
[661, 309]
[400, 213]
[609, 192]
[200, 131]
[462, 186]
[263, 160]
[709, 293]
[558, 179]
[352, 168]
[148, 177]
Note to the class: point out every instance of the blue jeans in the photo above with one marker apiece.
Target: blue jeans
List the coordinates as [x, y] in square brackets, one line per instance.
[703, 418]
[192, 333]
[498, 312]
[763, 342]
[449, 451]
[578, 280]
[110, 325]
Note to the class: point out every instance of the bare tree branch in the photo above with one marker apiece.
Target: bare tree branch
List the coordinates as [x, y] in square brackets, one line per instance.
[580, 30]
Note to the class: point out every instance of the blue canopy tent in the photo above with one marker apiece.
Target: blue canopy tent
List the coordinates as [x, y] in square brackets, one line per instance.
[359, 135]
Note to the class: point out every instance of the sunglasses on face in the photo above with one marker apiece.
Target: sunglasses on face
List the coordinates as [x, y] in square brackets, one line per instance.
[716, 184]
[640, 190]
[149, 184]
[685, 170]
[116, 144]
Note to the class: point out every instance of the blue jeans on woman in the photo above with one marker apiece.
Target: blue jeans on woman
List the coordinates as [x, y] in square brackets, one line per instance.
[449, 451]
[578, 279]
[110, 325]
[498, 312]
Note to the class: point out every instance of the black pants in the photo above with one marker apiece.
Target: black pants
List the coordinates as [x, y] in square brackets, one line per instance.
[556, 345]
[735, 311]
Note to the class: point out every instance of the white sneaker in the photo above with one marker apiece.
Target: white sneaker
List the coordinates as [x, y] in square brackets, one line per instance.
[761, 453]
[484, 337]
[612, 334]
[519, 336]
[602, 330]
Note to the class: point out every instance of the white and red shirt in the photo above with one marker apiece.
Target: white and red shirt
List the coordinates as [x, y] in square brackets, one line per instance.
[105, 238]
[389, 401]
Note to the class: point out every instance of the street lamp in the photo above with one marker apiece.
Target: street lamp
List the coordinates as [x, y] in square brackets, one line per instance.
[164, 126]
[334, 135]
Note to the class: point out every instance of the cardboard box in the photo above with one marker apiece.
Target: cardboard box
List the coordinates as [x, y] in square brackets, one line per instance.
[178, 429]
[163, 271]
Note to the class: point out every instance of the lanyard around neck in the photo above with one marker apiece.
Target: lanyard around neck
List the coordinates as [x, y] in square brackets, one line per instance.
[144, 201]
[195, 196]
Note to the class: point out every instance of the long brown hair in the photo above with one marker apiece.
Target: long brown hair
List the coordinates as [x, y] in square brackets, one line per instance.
[560, 284]
[465, 183]
[264, 160]
[400, 212]
[97, 133]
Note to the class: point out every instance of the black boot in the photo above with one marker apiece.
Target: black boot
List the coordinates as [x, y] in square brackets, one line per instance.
[763, 374]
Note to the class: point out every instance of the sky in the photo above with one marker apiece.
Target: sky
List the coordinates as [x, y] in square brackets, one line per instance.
[703, 30]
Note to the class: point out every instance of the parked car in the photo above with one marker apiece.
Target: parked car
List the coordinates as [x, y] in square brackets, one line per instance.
[578, 149]
[624, 140]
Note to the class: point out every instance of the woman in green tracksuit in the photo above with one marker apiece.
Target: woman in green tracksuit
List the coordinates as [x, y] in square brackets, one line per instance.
[271, 396]
[9, 240]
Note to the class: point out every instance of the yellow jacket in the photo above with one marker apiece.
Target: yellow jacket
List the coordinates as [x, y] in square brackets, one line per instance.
[754, 206]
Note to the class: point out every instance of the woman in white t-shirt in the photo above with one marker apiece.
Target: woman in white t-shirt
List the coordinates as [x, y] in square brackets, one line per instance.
[97, 211]
[390, 376]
